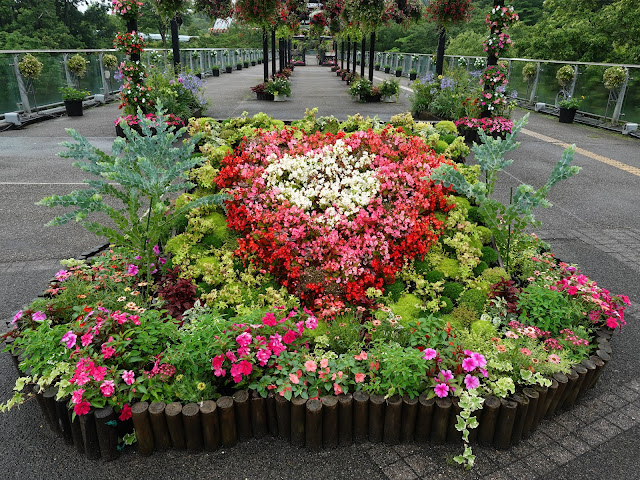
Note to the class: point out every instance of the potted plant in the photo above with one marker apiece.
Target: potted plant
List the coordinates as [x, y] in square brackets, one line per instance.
[279, 88]
[389, 90]
[253, 63]
[565, 75]
[77, 65]
[30, 68]
[413, 74]
[246, 64]
[239, 66]
[614, 77]
[398, 71]
[376, 66]
[261, 92]
[387, 68]
[228, 68]
[73, 100]
[568, 109]
[215, 70]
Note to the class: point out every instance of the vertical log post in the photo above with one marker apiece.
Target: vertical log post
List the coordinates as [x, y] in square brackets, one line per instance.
[533, 396]
[258, 415]
[453, 435]
[581, 371]
[228, 432]
[144, 434]
[159, 426]
[562, 380]
[313, 425]
[63, 418]
[272, 417]
[440, 421]
[376, 418]
[283, 412]
[408, 422]
[90, 436]
[210, 425]
[393, 420]
[345, 417]
[243, 416]
[330, 421]
[426, 406]
[521, 415]
[192, 427]
[173, 415]
[298, 421]
[360, 416]
[107, 433]
[487, 427]
[504, 424]
[76, 431]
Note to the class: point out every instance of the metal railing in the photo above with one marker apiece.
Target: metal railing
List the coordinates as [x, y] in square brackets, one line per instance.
[17, 94]
[542, 89]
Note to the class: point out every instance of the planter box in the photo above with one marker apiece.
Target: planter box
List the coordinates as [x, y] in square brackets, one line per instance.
[238, 67]
[264, 96]
[279, 98]
[73, 107]
[246, 64]
[567, 115]
[372, 99]
[253, 64]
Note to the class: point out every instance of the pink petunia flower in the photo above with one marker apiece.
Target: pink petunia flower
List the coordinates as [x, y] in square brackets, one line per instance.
[471, 382]
[69, 339]
[39, 316]
[126, 412]
[310, 366]
[294, 378]
[76, 396]
[132, 269]
[359, 377]
[468, 364]
[244, 339]
[429, 354]
[82, 408]
[442, 390]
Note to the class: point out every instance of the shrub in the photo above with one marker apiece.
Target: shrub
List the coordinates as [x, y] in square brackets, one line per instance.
[441, 147]
[483, 329]
[484, 234]
[447, 305]
[450, 267]
[478, 269]
[395, 290]
[423, 267]
[407, 307]
[489, 255]
[464, 315]
[494, 275]
[474, 299]
[452, 290]
[474, 215]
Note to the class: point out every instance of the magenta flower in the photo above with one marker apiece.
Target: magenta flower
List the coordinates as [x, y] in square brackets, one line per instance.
[311, 323]
[263, 356]
[446, 375]
[468, 364]
[86, 339]
[69, 339]
[16, 317]
[244, 339]
[76, 396]
[107, 388]
[479, 359]
[269, 319]
[132, 269]
[442, 390]
[82, 408]
[129, 377]
[429, 354]
[156, 250]
[39, 316]
[98, 373]
[471, 382]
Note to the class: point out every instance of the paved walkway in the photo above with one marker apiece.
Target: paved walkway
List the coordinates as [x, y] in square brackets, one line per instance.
[595, 222]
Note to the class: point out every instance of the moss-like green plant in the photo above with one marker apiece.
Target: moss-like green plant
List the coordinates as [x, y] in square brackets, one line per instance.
[452, 290]
[395, 290]
[494, 275]
[474, 299]
[143, 174]
[441, 147]
[461, 203]
[407, 308]
[446, 127]
[450, 267]
[483, 329]
[474, 215]
[421, 266]
[478, 269]
[433, 276]
[446, 305]
[489, 255]
[484, 234]
[464, 315]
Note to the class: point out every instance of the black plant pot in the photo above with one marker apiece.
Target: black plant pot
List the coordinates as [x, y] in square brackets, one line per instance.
[74, 107]
[567, 115]
[238, 67]
[259, 62]
[372, 98]
[387, 69]
[413, 76]
[216, 73]
[228, 69]
[253, 63]
[246, 64]
[398, 73]
[377, 68]
[199, 75]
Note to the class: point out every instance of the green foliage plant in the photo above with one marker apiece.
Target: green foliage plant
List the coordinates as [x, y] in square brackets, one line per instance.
[529, 71]
[361, 89]
[143, 174]
[389, 88]
[614, 77]
[509, 220]
[570, 103]
[73, 94]
[30, 67]
[77, 65]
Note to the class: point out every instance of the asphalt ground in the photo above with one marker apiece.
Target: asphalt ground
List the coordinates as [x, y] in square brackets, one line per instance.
[594, 222]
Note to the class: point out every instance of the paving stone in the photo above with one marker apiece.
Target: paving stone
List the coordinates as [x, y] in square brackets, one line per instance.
[404, 450]
[554, 429]
[606, 428]
[421, 464]
[628, 394]
[586, 413]
[504, 457]
[383, 455]
[569, 421]
[591, 436]
[614, 400]
[634, 384]
[557, 454]
[574, 445]
[501, 475]
[621, 420]
[539, 439]
[521, 471]
[399, 471]
[539, 463]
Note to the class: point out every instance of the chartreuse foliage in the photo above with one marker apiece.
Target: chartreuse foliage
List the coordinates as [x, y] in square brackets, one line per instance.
[134, 186]
[511, 219]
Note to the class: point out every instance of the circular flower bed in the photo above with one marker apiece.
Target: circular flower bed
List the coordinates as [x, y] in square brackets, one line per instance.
[324, 267]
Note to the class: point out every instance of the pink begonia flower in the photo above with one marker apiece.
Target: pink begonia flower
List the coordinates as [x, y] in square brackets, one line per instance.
[294, 378]
[310, 366]
[471, 382]
[337, 389]
[39, 316]
[86, 339]
[361, 356]
[107, 388]
[76, 396]
[359, 377]
[468, 364]
[244, 339]
[82, 408]
[441, 390]
[129, 377]
[69, 339]
[429, 354]
[324, 363]
[132, 269]
[311, 323]
[289, 337]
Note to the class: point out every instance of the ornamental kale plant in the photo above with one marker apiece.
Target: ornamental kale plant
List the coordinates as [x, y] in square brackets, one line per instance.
[509, 220]
[143, 174]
